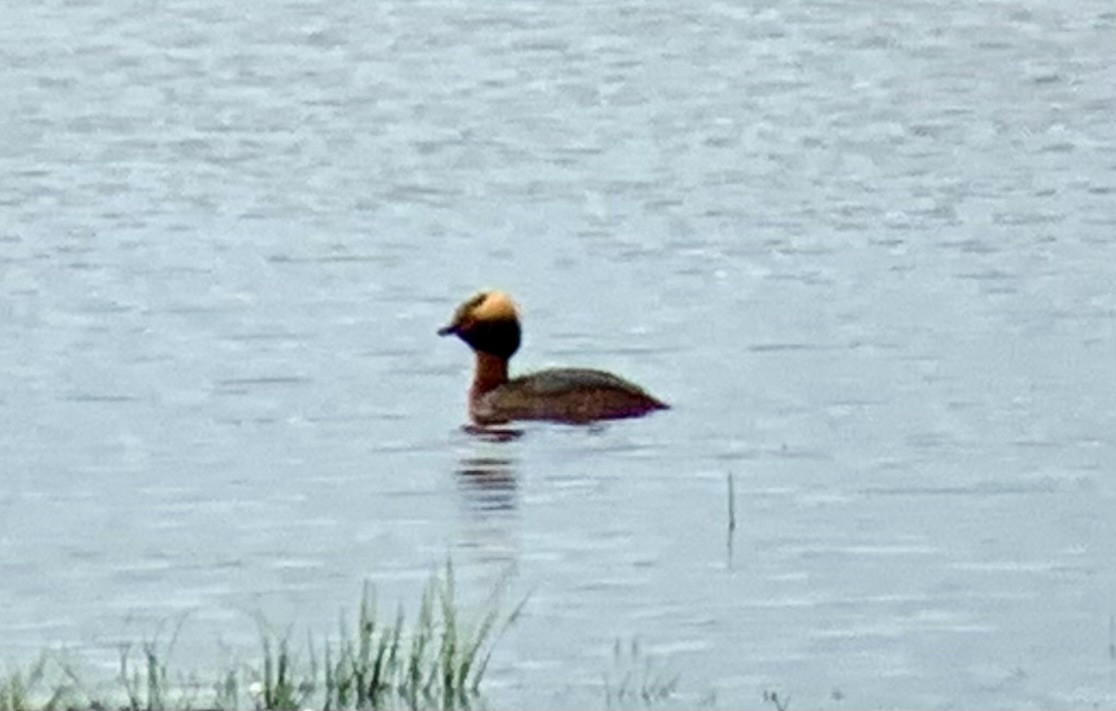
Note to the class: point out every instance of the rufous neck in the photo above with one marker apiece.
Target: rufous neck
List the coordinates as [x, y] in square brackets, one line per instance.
[491, 372]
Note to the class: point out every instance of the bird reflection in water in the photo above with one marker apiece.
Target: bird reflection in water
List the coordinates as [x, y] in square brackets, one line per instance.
[493, 434]
[489, 479]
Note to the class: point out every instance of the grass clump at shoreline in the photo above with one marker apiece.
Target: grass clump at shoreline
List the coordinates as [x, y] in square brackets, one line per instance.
[18, 689]
[440, 660]
[435, 660]
[636, 678]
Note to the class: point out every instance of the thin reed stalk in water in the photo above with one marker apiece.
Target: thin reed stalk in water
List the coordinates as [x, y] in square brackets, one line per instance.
[731, 504]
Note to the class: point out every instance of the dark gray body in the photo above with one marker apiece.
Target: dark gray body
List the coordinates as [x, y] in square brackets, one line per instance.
[564, 395]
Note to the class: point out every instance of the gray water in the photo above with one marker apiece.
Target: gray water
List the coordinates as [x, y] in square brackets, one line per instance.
[867, 251]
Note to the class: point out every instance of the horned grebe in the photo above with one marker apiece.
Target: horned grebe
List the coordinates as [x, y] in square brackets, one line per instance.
[488, 322]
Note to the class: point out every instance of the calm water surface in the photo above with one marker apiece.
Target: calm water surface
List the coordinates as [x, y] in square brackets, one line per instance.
[868, 251]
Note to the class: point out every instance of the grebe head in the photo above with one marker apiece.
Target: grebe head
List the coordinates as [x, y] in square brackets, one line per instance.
[488, 322]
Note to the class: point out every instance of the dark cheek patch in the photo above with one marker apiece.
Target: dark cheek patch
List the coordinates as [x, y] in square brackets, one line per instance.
[500, 338]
